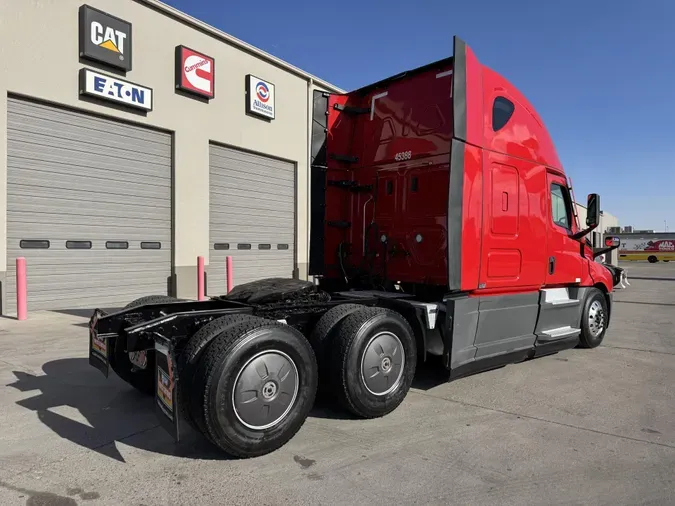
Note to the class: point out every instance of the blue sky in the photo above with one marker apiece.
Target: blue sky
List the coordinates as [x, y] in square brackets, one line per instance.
[600, 72]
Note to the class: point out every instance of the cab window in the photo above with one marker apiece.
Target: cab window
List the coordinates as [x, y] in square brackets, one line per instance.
[561, 206]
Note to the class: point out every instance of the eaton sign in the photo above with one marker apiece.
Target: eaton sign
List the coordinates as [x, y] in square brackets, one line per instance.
[114, 89]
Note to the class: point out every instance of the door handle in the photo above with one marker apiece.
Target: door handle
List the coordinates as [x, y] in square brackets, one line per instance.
[551, 265]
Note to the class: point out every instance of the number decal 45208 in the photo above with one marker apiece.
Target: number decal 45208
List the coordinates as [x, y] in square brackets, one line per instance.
[402, 156]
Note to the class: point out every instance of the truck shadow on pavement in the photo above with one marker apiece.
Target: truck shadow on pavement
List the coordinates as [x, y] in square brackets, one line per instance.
[78, 404]
[106, 412]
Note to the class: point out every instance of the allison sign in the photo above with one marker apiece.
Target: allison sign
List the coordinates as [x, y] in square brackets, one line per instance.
[105, 38]
[259, 97]
[114, 89]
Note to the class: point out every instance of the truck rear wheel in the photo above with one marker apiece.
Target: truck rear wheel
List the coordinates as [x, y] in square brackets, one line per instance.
[652, 259]
[593, 319]
[323, 334]
[138, 368]
[257, 382]
[373, 361]
[189, 359]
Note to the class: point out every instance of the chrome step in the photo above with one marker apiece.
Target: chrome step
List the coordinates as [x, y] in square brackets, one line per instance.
[559, 333]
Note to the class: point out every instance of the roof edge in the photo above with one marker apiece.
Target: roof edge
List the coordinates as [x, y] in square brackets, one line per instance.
[238, 43]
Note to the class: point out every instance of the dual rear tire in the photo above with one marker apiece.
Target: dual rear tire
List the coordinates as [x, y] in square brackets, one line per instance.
[367, 358]
[252, 387]
[249, 383]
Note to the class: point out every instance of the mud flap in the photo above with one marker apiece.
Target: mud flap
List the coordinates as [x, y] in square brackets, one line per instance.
[166, 390]
[99, 348]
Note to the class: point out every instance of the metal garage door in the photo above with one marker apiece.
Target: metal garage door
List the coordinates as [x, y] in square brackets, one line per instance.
[88, 206]
[252, 217]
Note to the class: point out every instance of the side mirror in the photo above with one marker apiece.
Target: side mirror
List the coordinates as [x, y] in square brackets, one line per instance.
[612, 242]
[592, 215]
[593, 210]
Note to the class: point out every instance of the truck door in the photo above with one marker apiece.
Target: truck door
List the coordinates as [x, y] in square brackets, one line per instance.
[565, 263]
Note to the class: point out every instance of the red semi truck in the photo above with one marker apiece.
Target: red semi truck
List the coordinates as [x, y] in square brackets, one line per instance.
[442, 223]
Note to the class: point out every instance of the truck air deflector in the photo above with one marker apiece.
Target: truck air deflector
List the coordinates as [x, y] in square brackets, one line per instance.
[456, 181]
[459, 90]
[455, 207]
[317, 177]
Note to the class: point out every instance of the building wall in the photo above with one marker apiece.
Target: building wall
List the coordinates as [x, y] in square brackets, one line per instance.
[39, 50]
[607, 220]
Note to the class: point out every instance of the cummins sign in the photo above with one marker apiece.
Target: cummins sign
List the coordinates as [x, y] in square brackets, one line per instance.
[195, 72]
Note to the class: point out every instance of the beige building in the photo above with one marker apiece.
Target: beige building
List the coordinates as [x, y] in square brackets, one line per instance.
[607, 221]
[134, 139]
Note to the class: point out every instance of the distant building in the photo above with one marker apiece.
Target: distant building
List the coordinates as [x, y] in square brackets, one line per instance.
[608, 222]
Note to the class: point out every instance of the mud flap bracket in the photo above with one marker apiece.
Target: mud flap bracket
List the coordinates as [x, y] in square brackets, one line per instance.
[166, 389]
[99, 345]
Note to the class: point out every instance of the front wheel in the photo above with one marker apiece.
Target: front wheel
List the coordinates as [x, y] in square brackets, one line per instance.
[652, 259]
[594, 319]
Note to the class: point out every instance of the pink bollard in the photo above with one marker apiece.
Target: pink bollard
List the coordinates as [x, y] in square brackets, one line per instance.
[200, 278]
[21, 289]
[229, 275]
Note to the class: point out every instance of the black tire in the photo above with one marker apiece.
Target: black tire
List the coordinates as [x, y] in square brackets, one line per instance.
[355, 336]
[322, 335]
[217, 375]
[594, 319]
[189, 359]
[652, 259]
[142, 380]
[151, 299]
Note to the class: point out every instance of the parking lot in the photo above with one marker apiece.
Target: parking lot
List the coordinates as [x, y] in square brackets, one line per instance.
[579, 427]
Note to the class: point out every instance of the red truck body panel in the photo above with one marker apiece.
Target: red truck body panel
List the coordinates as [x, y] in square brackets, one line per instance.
[447, 198]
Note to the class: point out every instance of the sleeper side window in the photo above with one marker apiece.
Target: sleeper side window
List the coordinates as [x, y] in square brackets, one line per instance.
[561, 208]
[502, 110]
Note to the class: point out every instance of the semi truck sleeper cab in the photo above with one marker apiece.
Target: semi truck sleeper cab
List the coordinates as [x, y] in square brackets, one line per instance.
[442, 223]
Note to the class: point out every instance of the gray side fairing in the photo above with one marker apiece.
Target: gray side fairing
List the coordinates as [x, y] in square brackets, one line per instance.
[513, 327]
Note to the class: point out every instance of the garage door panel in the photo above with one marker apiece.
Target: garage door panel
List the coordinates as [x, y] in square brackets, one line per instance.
[70, 178]
[103, 298]
[68, 226]
[83, 197]
[86, 268]
[240, 200]
[44, 205]
[252, 213]
[85, 163]
[247, 171]
[81, 149]
[26, 129]
[252, 202]
[91, 284]
[20, 110]
[88, 185]
[251, 180]
[241, 188]
[224, 157]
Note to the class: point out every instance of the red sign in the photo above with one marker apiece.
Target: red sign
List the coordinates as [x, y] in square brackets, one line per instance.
[195, 72]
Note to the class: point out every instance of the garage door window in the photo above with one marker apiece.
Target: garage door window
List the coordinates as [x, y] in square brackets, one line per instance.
[117, 245]
[33, 244]
[78, 244]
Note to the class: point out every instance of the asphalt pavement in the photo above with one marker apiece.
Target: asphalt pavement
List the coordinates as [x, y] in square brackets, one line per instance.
[580, 427]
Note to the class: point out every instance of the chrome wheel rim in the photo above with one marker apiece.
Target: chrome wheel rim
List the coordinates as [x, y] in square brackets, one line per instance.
[382, 364]
[596, 318]
[265, 389]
